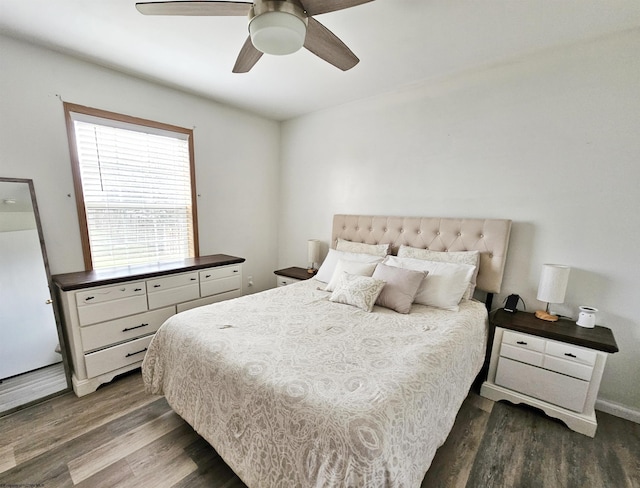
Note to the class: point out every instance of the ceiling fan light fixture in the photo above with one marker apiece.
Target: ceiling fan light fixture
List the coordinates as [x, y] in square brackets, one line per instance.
[277, 33]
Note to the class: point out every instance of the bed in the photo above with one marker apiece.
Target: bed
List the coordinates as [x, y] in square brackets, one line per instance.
[294, 389]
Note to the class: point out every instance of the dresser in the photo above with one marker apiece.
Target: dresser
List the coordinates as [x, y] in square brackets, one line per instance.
[110, 316]
[554, 366]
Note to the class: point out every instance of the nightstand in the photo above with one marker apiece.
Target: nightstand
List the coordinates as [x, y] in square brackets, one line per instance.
[553, 366]
[287, 276]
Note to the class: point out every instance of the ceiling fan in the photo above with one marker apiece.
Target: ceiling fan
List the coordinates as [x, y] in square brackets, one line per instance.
[275, 26]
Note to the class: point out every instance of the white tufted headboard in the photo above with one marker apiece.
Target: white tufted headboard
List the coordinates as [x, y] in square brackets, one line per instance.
[489, 236]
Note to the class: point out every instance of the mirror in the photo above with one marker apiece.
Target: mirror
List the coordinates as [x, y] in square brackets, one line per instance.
[32, 366]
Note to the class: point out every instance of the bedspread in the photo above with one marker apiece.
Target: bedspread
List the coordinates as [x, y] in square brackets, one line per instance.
[293, 390]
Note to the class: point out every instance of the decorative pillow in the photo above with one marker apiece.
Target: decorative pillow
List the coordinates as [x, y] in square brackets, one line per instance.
[401, 287]
[327, 268]
[359, 291]
[351, 267]
[376, 249]
[445, 284]
[471, 258]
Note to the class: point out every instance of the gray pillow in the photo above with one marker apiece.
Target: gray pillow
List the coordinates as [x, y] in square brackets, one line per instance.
[401, 288]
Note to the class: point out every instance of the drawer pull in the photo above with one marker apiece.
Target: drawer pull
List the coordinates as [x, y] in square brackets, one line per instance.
[88, 298]
[133, 328]
[137, 289]
[134, 353]
[193, 279]
[235, 270]
[207, 276]
[157, 286]
[522, 343]
[570, 355]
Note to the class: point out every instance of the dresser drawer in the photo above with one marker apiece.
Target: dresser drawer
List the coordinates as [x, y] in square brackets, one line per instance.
[101, 312]
[221, 272]
[221, 285]
[115, 357]
[107, 333]
[172, 289]
[581, 371]
[110, 293]
[173, 281]
[284, 281]
[559, 389]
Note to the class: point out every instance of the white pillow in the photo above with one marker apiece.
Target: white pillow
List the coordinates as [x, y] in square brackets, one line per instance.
[351, 267]
[459, 257]
[359, 291]
[360, 247]
[325, 273]
[444, 285]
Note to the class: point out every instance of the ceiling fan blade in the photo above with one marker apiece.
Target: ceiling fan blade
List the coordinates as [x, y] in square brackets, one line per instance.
[324, 44]
[247, 58]
[316, 7]
[199, 8]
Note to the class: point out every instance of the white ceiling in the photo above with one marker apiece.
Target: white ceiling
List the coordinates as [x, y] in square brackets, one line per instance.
[399, 43]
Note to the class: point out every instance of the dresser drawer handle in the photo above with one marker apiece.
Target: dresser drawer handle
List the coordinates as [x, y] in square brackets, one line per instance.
[157, 286]
[133, 328]
[134, 353]
[235, 270]
[522, 343]
[137, 289]
[570, 355]
[88, 298]
[193, 279]
[207, 276]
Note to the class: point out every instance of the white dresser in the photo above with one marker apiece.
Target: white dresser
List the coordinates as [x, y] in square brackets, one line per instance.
[110, 316]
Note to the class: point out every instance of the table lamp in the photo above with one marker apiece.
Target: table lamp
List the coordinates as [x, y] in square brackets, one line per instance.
[552, 287]
[313, 255]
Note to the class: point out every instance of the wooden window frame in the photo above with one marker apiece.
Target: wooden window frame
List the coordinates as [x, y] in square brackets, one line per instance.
[70, 108]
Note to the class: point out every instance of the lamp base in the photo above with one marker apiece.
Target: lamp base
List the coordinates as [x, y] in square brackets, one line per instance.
[542, 315]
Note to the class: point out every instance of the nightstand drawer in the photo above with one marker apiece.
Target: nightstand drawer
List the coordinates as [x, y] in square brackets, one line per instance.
[569, 368]
[571, 353]
[522, 355]
[565, 391]
[523, 341]
[284, 281]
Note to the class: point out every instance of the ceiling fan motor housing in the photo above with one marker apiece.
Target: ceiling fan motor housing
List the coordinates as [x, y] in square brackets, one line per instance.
[277, 26]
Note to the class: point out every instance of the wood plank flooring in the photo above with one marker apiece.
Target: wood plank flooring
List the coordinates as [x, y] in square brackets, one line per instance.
[25, 388]
[122, 437]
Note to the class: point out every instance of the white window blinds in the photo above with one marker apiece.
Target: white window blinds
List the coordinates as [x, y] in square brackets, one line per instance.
[136, 184]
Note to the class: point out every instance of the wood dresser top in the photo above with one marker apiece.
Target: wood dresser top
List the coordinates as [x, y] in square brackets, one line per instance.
[87, 279]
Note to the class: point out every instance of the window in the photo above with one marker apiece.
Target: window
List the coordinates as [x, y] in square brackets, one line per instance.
[135, 189]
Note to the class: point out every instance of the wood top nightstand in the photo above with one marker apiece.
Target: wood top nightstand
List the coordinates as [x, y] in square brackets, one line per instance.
[599, 338]
[287, 276]
[556, 367]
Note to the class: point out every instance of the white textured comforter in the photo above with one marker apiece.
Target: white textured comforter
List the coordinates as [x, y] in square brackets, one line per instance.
[295, 391]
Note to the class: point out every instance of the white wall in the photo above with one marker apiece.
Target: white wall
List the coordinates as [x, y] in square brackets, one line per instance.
[550, 141]
[236, 153]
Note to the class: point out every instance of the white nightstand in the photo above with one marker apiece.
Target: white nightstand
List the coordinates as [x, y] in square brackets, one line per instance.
[288, 276]
[553, 366]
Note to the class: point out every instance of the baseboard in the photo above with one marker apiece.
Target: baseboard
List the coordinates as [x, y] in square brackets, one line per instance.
[618, 410]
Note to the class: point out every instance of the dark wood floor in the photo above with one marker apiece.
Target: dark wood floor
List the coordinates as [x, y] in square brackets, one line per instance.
[121, 437]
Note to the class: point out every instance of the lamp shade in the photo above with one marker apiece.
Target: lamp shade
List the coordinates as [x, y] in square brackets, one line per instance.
[553, 283]
[313, 249]
[277, 33]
